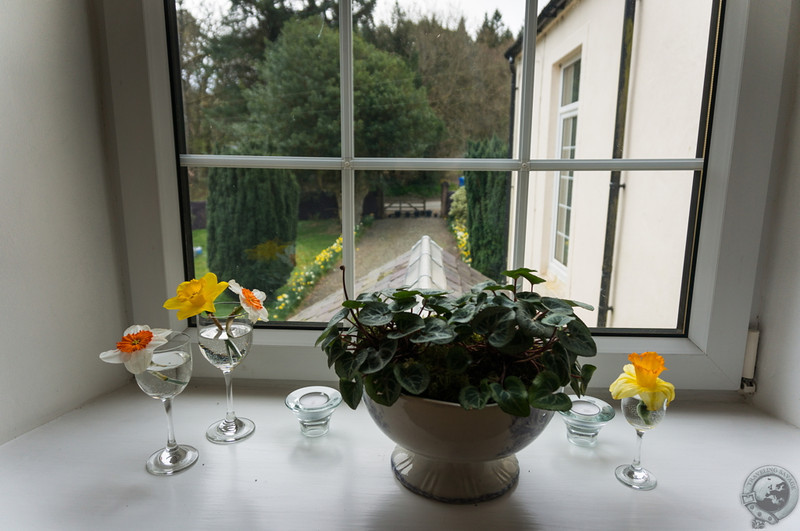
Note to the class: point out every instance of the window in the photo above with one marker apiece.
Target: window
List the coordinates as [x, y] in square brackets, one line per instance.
[709, 357]
[568, 126]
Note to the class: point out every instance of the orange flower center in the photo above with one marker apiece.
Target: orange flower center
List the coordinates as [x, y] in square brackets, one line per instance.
[648, 366]
[134, 342]
[250, 299]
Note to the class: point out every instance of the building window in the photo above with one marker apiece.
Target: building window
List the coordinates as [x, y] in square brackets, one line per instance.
[568, 127]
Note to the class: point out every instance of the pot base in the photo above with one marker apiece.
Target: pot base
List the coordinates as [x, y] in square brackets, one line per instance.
[454, 482]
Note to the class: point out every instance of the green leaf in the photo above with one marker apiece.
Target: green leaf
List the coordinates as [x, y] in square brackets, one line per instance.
[375, 314]
[553, 402]
[512, 397]
[463, 314]
[436, 332]
[580, 304]
[413, 376]
[528, 324]
[577, 339]
[406, 323]
[504, 331]
[333, 325]
[383, 388]
[352, 305]
[525, 273]
[485, 322]
[402, 305]
[347, 365]
[378, 358]
[529, 296]
[471, 397]
[335, 350]
[402, 294]
[556, 361]
[580, 383]
[352, 391]
[552, 303]
[558, 319]
[545, 383]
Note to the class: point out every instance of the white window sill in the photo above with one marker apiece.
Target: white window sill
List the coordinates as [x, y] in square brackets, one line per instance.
[85, 470]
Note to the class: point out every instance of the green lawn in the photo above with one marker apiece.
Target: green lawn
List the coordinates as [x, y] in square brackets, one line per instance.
[312, 237]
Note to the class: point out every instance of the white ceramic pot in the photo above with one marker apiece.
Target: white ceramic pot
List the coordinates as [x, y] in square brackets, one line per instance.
[447, 453]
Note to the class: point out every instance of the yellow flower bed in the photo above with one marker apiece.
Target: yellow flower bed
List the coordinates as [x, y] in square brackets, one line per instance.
[462, 240]
[304, 278]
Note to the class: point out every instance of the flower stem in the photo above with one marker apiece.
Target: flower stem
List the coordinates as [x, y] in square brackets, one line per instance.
[165, 378]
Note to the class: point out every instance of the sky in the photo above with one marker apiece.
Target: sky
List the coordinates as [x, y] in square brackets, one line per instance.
[513, 11]
[447, 11]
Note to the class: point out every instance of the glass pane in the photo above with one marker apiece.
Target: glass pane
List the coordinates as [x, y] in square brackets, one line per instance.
[571, 83]
[668, 59]
[421, 231]
[256, 83]
[273, 230]
[644, 281]
[431, 79]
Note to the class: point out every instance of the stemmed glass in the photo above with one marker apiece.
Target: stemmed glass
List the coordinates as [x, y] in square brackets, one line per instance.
[168, 374]
[224, 341]
[642, 419]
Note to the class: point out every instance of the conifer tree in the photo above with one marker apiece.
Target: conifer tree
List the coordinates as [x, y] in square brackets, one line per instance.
[252, 226]
[487, 210]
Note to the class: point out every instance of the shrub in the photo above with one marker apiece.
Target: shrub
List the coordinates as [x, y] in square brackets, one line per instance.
[487, 207]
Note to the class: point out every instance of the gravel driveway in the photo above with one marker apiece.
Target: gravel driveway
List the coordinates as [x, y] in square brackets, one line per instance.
[383, 241]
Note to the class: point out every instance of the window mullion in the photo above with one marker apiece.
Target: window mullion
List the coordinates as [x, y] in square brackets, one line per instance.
[524, 146]
[347, 142]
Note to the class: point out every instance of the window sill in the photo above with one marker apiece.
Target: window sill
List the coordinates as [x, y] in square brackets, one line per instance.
[86, 470]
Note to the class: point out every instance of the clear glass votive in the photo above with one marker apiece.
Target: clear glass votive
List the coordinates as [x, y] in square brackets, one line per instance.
[584, 421]
[313, 407]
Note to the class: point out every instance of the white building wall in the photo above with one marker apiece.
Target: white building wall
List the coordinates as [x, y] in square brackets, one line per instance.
[667, 74]
[60, 266]
[662, 121]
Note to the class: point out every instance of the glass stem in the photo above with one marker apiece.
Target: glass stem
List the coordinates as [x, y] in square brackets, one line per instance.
[638, 458]
[171, 444]
[230, 416]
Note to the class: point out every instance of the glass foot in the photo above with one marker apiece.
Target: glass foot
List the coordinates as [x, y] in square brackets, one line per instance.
[166, 462]
[227, 432]
[639, 479]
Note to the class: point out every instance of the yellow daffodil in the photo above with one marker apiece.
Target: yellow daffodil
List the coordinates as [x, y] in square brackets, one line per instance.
[251, 301]
[195, 296]
[640, 377]
[136, 347]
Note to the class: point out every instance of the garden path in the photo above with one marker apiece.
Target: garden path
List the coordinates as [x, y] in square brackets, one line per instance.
[383, 241]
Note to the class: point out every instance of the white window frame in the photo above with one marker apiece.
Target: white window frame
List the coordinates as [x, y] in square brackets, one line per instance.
[738, 168]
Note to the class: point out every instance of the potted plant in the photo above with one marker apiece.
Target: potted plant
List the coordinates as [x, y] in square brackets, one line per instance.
[498, 355]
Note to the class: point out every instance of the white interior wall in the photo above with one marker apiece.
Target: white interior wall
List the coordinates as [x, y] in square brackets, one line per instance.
[778, 300]
[62, 298]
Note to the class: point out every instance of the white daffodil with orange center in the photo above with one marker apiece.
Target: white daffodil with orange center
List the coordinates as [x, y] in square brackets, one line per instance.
[640, 377]
[136, 347]
[251, 300]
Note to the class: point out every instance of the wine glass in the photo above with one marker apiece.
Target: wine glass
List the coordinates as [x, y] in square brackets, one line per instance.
[642, 419]
[224, 341]
[168, 374]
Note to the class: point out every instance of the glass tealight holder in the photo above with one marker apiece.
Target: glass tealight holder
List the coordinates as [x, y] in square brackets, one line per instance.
[585, 419]
[313, 407]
